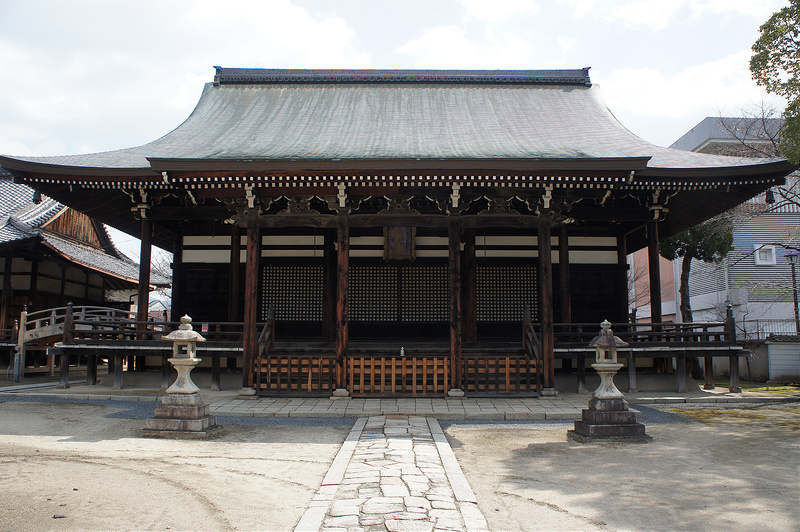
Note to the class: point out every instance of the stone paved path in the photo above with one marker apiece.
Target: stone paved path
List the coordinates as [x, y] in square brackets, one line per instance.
[394, 474]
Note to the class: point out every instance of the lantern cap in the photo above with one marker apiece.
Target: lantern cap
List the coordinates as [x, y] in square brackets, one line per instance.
[185, 333]
[606, 337]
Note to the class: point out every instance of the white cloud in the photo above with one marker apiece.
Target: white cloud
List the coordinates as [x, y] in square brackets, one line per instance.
[127, 76]
[449, 47]
[580, 8]
[257, 27]
[761, 9]
[566, 44]
[708, 89]
[654, 15]
[499, 9]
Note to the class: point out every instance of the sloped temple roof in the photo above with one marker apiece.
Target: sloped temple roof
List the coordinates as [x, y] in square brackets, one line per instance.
[252, 114]
[334, 123]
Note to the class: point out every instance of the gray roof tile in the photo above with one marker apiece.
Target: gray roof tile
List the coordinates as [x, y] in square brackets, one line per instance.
[21, 219]
[451, 118]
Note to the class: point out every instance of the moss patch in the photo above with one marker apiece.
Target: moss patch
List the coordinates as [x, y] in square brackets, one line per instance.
[782, 416]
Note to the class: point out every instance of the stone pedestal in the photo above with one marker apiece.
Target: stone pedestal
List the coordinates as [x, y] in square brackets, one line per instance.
[181, 416]
[608, 420]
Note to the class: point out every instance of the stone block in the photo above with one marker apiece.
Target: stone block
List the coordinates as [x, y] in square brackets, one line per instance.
[612, 417]
[181, 399]
[181, 412]
[609, 431]
[192, 425]
[608, 404]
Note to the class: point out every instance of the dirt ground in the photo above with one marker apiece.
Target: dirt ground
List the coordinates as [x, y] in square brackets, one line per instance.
[71, 467]
[734, 469]
[74, 466]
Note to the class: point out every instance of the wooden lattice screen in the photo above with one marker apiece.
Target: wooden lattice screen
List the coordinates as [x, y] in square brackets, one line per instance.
[504, 290]
[390, 293]
[295, 290]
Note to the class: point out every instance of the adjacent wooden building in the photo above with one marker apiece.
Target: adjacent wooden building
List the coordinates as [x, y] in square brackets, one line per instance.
[400, 224]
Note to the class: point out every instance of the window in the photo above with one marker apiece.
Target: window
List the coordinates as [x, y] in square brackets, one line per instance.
[764, 255]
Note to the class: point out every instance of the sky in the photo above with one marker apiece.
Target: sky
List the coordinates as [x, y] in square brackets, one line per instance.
[82, 76]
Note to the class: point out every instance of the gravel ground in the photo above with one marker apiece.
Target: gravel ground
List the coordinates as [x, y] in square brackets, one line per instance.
[709, 468]
[70, 465]
[79, 465]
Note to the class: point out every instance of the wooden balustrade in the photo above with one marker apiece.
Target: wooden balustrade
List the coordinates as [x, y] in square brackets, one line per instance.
[501, 374]
[300, 374]
[408, 375]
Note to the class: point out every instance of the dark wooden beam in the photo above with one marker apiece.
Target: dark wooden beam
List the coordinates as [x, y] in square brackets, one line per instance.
[251, 302]
[470, 289]
[564, 287]
[233, 280]
[6, 303]
[178, 279]
[655, 271]
[546, 302]
[622, 278]
[454, 279]
[144, 269]
[342, 272]
[329, 283]
[563, 274]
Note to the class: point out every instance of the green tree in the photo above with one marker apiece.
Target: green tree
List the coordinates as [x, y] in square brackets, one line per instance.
[709, 242]
[776, 67]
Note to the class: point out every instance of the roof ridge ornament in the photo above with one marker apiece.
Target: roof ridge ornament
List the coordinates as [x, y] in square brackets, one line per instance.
[225, 76]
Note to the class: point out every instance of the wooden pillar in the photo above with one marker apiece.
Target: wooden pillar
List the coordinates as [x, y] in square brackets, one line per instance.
[655, 271]
[329, 276]
[730, 333]
[144, 271]
[233, 279]
[546, 303]
[5, 306]
[622, 278]
[454, 281]
[251, 302]
[233, 289]
[63, 381]
[178, 280]
[563, 270]
[470, 288]
[564, 287]
[680, 372]
[342, 272]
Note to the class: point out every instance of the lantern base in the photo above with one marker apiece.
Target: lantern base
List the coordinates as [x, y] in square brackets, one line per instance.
[608, 420]
[181, 417]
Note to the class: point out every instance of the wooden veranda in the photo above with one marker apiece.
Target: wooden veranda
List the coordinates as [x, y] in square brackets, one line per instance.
[370, 369]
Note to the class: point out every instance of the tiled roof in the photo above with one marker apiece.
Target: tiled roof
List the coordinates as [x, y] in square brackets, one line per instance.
[783, 338]
[252, 114]
[21, 219]
[96, 259]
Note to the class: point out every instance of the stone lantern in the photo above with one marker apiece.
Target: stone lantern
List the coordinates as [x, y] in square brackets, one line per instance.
[608, 417]
[184, 359]
[606, 365]
[182, 413]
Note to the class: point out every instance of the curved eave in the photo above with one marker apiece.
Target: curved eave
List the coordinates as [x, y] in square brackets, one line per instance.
[18, 165]
[354, 165]
[779, 168]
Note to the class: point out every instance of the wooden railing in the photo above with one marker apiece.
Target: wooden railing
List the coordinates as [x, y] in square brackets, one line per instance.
[398, 375]
[647, 334]
[8, 337]
[501, 374]
[300, 374]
